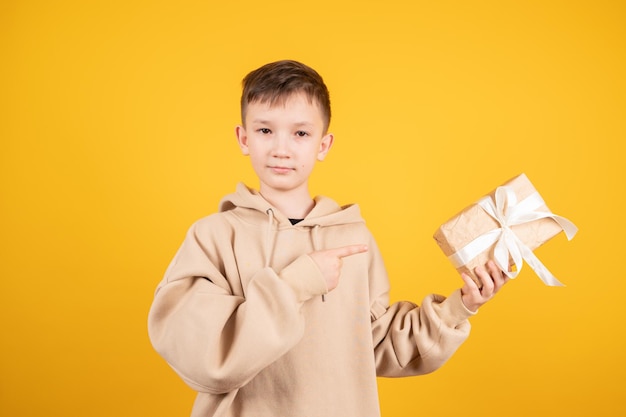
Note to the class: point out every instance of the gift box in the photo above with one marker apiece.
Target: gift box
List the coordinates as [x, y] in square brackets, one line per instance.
[506, 226]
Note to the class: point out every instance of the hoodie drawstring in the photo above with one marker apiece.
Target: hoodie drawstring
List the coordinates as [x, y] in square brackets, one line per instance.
[316, 245]
[315, 239]
[269, 238]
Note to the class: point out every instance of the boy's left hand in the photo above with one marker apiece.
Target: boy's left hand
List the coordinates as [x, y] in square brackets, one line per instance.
[492, 279]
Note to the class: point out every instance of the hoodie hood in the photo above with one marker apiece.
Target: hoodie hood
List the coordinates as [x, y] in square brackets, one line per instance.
[326, 211]
[250, 206]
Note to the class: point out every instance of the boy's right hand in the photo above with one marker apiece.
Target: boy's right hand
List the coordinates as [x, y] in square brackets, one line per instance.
[329, 262]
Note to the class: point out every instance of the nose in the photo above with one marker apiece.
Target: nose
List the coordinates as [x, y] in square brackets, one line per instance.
[280, 146]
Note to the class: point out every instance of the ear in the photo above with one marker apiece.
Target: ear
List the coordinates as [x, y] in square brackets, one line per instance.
[325, 144]
[242, 139]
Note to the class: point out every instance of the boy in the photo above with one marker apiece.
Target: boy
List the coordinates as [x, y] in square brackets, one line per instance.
[278, 305]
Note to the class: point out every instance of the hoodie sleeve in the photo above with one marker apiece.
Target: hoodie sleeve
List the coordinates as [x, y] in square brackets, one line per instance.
[410, 339]
[215, 340]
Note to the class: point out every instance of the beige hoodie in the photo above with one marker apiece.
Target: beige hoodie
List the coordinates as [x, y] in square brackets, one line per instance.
[240, 317]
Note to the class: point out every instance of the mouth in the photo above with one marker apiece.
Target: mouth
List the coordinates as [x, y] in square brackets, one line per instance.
[280, 169]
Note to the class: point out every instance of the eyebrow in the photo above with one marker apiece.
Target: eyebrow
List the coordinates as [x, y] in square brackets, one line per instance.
[264, 121]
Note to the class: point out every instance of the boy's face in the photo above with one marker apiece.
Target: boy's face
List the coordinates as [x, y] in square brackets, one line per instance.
[284, 141]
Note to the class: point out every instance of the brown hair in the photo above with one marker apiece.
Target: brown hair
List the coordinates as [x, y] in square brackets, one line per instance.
[275, 82]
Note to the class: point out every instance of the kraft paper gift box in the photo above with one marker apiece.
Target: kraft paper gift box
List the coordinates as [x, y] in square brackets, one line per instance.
[506, 226]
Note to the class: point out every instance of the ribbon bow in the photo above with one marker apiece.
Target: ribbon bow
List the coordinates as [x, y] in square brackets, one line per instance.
[508, 212]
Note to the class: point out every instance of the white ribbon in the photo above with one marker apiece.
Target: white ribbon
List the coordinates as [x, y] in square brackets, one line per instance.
[508, 212]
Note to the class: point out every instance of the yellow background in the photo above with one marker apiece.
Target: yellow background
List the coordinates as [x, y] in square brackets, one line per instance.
[116, 129]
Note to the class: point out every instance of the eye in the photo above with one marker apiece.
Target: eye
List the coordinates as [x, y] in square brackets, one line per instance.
[301, 133]
[264, 131]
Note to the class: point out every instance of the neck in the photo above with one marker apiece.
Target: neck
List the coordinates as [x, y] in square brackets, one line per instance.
[294, 205]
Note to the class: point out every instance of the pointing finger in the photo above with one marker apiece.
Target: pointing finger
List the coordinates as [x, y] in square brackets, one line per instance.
[344, 251]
